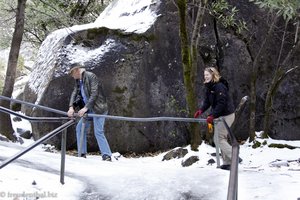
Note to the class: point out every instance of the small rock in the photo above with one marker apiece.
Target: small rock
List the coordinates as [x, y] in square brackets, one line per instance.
[191, 160]
[177, 153]
[214, 154]
[20, 140]
[211, 161]
[4, 139]
[279, 163]
[17, 119]
[24, 133]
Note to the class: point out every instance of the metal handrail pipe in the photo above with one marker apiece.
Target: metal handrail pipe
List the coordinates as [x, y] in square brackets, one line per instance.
[34, 105]
[34, 119]
[231, 136]
[233, 177]
[39, 141]
[149, 119]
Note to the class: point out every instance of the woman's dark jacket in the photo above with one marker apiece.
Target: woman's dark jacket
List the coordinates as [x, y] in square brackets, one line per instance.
[94, 92]
[217, 97]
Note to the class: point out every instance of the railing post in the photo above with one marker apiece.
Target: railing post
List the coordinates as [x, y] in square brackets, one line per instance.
[233, 178]
[216, 139]
[36, 143]
[81, 136]
[63, 156]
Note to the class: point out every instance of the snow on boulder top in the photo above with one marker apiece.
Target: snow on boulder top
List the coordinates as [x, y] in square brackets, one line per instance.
[129, 15]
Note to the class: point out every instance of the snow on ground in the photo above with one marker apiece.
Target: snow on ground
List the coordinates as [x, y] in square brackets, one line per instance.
[149, 178]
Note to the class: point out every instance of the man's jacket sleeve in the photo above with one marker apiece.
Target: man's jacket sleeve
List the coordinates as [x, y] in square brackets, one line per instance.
[73, 95]
[94, 84]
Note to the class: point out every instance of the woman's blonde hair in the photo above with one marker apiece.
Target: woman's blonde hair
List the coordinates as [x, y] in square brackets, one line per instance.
[214, 72]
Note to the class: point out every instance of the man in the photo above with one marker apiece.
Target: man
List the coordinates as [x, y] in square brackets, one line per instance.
[88, 96]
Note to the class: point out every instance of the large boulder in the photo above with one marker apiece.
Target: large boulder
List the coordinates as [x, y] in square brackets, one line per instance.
[140, 75]
[141, 70]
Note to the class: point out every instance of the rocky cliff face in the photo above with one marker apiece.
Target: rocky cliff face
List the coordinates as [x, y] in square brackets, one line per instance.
[142, 77]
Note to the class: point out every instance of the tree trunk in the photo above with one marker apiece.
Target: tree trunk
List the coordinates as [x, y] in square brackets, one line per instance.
[254, 74]
[195, 40]
[187, 69]
[269, 100]
[189, 61]
[277, 79]
[186, 59]
[5, 125]
[252, 105]
[79, 9]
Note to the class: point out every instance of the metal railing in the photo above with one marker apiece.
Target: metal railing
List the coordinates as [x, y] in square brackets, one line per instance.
[233, 180]
[233, 177]
[232, 193]
[48, 136]
[71, 121]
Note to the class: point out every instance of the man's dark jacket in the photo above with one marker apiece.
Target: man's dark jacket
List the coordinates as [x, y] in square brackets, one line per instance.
[94, 93]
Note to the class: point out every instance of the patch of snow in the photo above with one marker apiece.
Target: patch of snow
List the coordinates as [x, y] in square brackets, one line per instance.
[130, 16]
[79, 54]
[37, 172]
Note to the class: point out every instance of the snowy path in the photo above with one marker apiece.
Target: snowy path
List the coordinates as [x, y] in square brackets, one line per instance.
[149, 178]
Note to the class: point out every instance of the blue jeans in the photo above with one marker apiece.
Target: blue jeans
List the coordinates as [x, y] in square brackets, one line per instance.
[99, 134]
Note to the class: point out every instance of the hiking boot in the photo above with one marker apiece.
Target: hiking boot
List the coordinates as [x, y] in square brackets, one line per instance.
[106, 157]
[225, 167]
[83, 155]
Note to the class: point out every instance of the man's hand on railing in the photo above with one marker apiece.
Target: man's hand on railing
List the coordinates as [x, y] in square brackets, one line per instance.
[71, 112]
[82, 111]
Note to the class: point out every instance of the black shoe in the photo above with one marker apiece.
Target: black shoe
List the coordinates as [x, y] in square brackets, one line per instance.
[83, 155]
[225, 167]
[106, 157]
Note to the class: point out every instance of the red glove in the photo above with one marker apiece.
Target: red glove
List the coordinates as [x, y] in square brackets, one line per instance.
[198, 113]
[210, 119]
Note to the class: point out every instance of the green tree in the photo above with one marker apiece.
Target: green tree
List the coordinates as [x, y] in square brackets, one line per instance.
[288, 10]
[44, 16]
[224, 14]
[2, 74]
[7, 17]
[189, 53]
[5, 125]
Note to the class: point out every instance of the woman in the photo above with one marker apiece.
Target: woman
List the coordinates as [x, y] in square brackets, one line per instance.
[217, 97]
